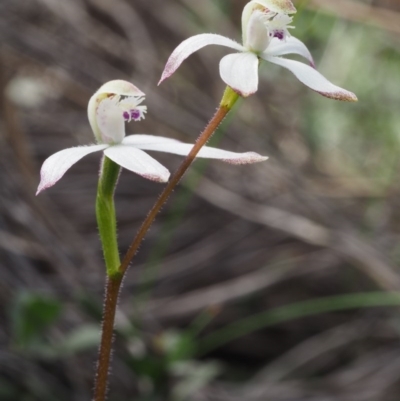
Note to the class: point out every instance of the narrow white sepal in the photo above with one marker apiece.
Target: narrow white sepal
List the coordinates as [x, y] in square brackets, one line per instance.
[313, 79]
[137, 161]
[183, 149]
[240, 72]
[291, 45]
[191, 45]
[57, 164]
[139, 140]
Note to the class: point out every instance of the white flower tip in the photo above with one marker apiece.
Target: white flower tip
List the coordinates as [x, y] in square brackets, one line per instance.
[278, 6]
[344, 96]
[246, 158]
[121, 88]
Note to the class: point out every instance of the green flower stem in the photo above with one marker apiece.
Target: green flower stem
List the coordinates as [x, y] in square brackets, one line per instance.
[105, 212]
[228, 101]
[107, 224]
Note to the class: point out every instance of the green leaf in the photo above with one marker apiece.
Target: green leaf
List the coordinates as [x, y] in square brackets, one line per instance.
[32, 314]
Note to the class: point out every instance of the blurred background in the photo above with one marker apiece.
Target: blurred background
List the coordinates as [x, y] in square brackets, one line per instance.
[276, 281]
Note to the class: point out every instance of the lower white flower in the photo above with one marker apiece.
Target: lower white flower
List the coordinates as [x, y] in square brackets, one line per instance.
[265, 26]
[115, 103]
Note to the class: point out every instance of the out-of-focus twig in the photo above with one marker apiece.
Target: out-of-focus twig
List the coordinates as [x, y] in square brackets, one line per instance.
[357, 11]
[344, 243]
[232, 290]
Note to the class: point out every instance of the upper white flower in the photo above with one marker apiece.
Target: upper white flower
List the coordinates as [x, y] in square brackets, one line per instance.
[115, 103]
[265, 25]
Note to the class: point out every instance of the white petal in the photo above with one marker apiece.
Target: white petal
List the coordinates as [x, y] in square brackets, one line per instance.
[111, 121]
[240, 72]
[183, 149]
[313, 79]
[257, 33]
[120, 88]
[191, 45]
[140, 140]
[56, 165]
[139, 162]
[292, 45]
[117, 87]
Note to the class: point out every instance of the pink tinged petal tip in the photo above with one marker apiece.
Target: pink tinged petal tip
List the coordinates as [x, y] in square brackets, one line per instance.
[137, 161]
[240, 72]
[313, 79]
[59, 163]
[191, 45]
[245, 158]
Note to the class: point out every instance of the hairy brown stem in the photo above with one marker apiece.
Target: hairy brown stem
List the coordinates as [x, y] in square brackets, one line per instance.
[114, 282]
[201, 141]
[112, 289]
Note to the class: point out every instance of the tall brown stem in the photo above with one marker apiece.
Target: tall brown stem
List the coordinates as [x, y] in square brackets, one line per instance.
[201, 141]
[113, 285]
[112, 289]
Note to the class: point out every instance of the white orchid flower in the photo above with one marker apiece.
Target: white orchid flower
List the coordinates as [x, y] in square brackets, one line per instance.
[115, 103]
[265, 26]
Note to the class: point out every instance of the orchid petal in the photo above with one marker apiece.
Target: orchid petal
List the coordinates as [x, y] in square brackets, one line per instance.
[140, 140]
[240, 72]
[116, 87]
[57, 164]
[120, 88]
[277, 6]
[292, 45]
[313, 79]
[110, 121]
[137, 161]
[257, 33]
[183, 149]
[191, 45]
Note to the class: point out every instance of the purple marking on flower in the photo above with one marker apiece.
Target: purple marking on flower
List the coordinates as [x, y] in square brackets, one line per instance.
[279, 34]
[125, 115]
[135, 114]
